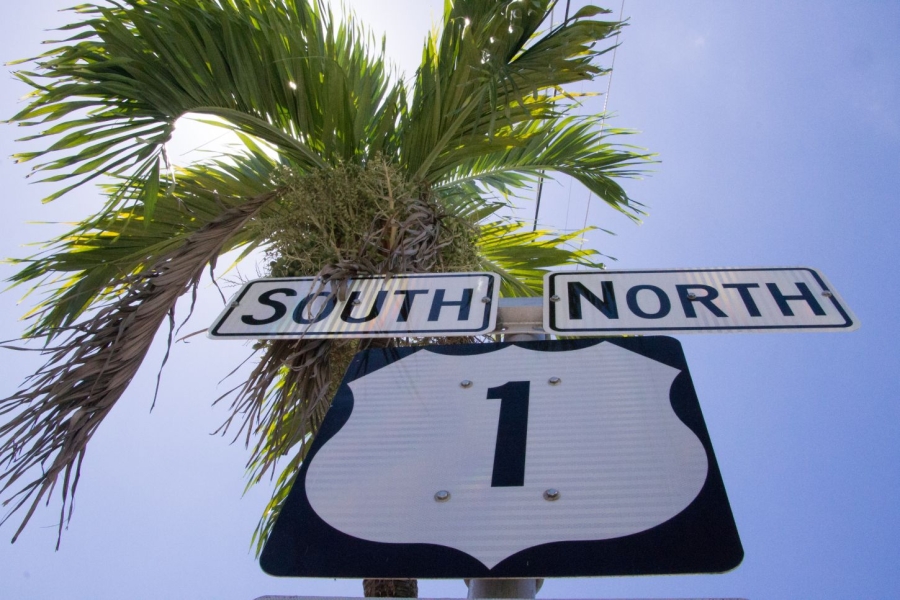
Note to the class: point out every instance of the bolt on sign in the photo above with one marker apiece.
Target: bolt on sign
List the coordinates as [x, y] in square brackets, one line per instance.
[692, 301]
[531, 459]
[397, 306]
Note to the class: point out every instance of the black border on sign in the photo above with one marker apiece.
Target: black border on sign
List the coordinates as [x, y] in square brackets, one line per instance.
[214, 330]
[551, 290]
[703, 538]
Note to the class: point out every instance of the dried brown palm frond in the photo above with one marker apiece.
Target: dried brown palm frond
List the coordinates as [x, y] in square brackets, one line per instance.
[65, 401]
[284, 398]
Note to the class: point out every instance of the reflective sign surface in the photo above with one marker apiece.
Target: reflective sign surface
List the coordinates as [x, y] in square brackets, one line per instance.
[534, 459]
[402, 305]
[692, 301]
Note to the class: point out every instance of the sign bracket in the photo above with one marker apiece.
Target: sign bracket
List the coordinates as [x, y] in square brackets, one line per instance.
[520, 316]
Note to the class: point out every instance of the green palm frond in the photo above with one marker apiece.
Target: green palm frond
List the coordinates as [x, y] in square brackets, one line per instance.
[522, 256]
[569, 145]
[487, 68]
[284, 71]
[86, 264]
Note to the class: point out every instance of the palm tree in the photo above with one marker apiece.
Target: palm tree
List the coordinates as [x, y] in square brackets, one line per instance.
[344, 170]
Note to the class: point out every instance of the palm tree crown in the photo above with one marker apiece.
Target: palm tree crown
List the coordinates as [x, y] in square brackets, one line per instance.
[345, 170]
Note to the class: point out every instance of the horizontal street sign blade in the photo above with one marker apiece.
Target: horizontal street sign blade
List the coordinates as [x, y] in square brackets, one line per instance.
[414, 305]
[730, 300]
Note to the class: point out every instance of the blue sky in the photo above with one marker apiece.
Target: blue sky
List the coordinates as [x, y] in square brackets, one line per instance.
[778, 134]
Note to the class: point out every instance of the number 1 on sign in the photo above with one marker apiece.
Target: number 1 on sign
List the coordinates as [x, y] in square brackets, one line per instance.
[512, 433]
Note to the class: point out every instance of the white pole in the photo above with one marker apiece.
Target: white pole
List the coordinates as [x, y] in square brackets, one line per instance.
[503, 588]
[508, 588]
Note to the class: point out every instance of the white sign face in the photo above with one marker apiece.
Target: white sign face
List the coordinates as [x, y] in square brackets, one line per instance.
[692, 301]
[603, 435]
[404, 305]
[565, 458]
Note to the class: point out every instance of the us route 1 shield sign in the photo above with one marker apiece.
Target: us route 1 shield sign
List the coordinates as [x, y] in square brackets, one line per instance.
[402, 305]
[692, 301]
[532, 459]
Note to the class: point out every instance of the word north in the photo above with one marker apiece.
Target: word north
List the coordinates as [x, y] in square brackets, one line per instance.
[692, 301]
[402, 305]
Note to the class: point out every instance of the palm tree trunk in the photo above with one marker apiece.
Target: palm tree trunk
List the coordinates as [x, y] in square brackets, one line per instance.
[391, 588]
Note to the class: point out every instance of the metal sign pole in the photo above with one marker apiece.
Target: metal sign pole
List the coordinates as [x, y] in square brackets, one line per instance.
[508, 588]
[503, 588]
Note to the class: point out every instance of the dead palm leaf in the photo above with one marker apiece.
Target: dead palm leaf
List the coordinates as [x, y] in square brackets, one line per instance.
[92, 363]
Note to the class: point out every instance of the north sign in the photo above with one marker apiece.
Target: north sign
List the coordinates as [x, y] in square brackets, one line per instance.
[402, 305]
[692, 301]
[531, 459]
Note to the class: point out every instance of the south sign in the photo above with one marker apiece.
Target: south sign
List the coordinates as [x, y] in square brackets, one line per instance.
[402, 305]
[692, 301]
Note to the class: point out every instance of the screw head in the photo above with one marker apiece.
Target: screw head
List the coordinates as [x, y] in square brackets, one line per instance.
[465, 383]
[691, 296]
[554, 381]
[555, 298]
[356, 302]
[827, 294]
[486, 300]
[551, 495]
[441, 496]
